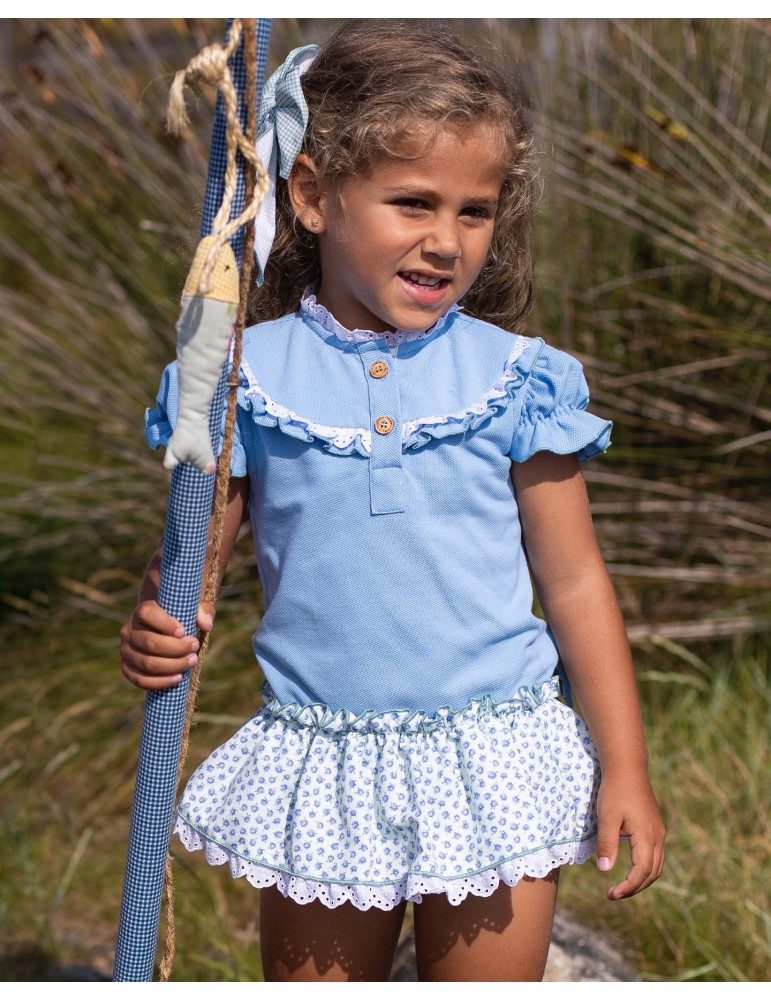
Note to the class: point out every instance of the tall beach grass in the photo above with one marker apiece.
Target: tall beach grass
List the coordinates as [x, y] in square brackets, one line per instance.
[653, 270]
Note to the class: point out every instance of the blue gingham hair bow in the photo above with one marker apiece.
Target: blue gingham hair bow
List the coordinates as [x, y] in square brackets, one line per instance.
[282, 122]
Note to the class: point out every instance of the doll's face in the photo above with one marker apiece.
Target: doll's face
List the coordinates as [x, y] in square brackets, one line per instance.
[403, 242]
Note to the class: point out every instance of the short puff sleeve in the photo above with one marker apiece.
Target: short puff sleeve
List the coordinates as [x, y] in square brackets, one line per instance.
[160, 421]
[553, 415]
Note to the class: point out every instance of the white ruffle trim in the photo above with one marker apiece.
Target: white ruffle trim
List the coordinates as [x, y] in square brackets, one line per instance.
[536, 864]
[265, 409]
[345, 440]
[417, 432]
[393, 338]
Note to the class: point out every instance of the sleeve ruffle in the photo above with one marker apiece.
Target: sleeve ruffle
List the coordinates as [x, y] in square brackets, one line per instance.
[553, 416]
[160, 421]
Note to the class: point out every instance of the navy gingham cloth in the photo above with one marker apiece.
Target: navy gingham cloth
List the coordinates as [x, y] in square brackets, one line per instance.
[187, 523]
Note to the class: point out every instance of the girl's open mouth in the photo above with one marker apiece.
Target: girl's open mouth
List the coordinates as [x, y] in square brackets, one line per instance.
[415, 278]
[423, 288]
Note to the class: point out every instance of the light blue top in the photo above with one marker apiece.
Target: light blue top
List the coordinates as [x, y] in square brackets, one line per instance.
[392, 563]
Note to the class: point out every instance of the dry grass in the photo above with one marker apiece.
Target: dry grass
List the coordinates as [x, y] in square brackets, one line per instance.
[654, 271]
[708, 917]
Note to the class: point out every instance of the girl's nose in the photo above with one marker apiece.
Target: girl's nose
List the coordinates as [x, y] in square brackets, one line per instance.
[443, 240]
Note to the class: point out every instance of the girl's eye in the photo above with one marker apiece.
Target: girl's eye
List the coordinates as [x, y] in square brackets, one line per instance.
[477, 212]
[412, 204]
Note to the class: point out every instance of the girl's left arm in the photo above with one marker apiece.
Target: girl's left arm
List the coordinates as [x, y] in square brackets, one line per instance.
[579, 602]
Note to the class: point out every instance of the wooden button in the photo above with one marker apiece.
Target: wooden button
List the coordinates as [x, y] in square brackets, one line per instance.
[384, 425]
[378, 369]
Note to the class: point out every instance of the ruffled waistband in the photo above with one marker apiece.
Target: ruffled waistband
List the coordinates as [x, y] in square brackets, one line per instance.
[321, 718]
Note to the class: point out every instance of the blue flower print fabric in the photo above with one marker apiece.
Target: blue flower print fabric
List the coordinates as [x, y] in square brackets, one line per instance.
[378, 808]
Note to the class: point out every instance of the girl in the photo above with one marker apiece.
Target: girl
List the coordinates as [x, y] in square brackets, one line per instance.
[407, 463]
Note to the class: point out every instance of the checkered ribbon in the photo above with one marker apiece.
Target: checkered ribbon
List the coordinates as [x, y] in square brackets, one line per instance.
[184, 550]
[280, 131]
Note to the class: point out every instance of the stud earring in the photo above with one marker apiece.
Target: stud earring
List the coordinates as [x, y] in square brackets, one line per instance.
[314, 223]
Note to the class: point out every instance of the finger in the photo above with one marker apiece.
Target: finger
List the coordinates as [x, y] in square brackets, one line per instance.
[151, 615]
[658, 862]
[148, 642]
[639, 875]
[147, 682]
[205, 618]
[607, 842]
[139, 660]
[662, 860]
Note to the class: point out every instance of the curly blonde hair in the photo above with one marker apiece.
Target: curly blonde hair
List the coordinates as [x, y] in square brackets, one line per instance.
[376, 85]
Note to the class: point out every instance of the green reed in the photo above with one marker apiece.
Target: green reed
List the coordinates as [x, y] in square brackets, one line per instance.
[653, 270]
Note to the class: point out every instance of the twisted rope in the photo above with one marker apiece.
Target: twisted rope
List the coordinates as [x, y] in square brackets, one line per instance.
[210, 66]
[210, 61]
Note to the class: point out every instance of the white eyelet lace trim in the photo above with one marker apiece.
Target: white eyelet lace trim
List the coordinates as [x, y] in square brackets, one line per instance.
[321, 315]
[340, 440]
[417, 432]
[536, 864]
[345, 440]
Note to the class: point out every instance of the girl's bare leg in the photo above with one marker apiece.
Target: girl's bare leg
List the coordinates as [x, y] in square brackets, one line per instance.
[310, 943]
[503, 937]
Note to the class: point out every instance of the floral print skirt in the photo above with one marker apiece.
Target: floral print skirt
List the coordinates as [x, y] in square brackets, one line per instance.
[378, 808]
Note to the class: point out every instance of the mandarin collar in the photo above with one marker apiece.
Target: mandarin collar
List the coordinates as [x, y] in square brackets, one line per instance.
[393, 338]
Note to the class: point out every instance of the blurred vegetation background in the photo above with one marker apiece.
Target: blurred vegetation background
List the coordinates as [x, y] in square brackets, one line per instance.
[654, 270]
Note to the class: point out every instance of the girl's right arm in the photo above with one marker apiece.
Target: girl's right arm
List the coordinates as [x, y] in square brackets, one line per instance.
[154, 650]
[580, 605]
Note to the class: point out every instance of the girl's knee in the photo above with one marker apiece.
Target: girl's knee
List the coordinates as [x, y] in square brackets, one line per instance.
[501, 937]
[311, 943]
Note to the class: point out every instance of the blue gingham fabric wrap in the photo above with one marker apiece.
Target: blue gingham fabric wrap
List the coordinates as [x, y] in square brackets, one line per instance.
[187, 522]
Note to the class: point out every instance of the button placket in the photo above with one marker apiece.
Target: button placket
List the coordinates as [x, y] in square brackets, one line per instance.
[386, 477]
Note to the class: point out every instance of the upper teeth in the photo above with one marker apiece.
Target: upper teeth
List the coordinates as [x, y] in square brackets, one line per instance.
[422, 279]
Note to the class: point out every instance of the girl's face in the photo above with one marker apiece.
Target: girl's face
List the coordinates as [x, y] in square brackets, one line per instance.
[403, 242]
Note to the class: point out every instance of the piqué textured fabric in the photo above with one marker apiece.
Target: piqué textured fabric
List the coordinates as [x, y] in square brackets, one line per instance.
[412, 740]
[392, 564]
